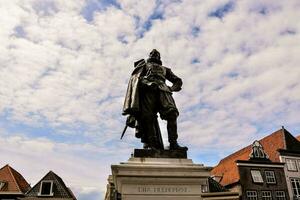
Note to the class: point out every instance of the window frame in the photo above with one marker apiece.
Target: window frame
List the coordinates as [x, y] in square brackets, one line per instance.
[2, 184]
[51, 188]
[268, 177]
[288, 164]
[278, 197]
[266, 197]
[298, 189]
[251, 197]
[298, 164]
[254, 175]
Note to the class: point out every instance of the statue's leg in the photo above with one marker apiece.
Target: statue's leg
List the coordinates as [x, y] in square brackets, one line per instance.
[169, 112]
[172, 132]
[172, 128]
[149, 129]
[149, 119]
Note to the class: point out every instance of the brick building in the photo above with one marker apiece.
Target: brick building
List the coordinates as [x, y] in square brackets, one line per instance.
[283, 151]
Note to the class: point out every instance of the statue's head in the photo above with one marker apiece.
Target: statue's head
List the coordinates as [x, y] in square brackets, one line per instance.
[154, 56]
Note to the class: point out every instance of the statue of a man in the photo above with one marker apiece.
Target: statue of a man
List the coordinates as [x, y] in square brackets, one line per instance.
[147, 95]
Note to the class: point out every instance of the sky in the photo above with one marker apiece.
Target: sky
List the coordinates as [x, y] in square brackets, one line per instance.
[65, 65]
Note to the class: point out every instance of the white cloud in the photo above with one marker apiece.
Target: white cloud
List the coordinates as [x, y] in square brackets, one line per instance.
[79, 165]
[60, 71]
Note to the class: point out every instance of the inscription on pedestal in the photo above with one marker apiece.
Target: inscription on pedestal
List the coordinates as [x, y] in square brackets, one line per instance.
[162, 189]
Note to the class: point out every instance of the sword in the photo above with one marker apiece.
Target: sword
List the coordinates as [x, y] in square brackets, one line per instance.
[124, 131]
[130, 121]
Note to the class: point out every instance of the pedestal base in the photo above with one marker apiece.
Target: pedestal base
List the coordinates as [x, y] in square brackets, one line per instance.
[160, 178]
[150, 153]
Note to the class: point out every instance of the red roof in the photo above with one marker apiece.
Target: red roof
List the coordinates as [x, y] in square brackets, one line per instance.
[227, 168]
[14, 181]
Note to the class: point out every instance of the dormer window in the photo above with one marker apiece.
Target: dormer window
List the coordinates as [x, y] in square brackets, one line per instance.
[2, 184]
[46, 188]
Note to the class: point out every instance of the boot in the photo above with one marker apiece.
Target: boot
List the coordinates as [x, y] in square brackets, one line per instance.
[146, 146]
[176, 146]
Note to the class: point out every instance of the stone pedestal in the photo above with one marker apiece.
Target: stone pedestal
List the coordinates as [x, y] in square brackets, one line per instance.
[150, 153]
[160, 178]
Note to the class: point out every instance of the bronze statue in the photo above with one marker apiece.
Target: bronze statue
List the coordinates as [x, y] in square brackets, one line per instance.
[148, 94]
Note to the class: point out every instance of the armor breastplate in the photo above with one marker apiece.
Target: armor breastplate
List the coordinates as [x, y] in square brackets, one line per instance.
[156, 71]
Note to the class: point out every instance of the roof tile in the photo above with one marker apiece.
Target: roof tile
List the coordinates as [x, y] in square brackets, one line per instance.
[15, 181]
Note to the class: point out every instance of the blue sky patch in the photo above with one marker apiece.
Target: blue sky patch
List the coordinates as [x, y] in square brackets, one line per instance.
[263, 11]
[288, 32]
[195, 31]
[221, 11]
[122, 39]
[93, 6]
[44, 129]
[195, 61]
[157, 14]
[246, 49]
[233, 74]
[19, 32]
[45, 7]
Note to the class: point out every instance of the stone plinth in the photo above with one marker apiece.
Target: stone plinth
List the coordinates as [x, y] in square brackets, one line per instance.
[160, 178]
[150, 153]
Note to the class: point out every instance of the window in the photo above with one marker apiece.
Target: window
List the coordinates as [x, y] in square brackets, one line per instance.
[2, 184]
[46, 188]
[291, 165]
[251, 195]
[296, 187]
[256, 176]
[280, 195]
[266, 195]
[270, 177]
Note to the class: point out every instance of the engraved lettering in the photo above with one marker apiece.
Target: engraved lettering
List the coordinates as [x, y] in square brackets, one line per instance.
[162, 189]
[144, 189]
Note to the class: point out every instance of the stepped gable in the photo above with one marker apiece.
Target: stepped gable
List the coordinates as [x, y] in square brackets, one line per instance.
[280, 139]
[60, 190]
[14, 181]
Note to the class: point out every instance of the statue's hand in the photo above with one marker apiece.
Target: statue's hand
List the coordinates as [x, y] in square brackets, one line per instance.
[175, 88]
[153, 86]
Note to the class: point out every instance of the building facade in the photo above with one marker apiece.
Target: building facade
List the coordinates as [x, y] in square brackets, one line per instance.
[283, 151]
[260, 178]
[292, 171]
[262, 181]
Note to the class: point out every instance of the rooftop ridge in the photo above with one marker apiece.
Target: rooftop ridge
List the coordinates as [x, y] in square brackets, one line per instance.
[241, 151]
[227, 167]
[57, 180]
[14, 178]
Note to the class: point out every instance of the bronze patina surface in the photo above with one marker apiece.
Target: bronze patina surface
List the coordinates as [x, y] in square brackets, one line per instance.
[147, 95]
